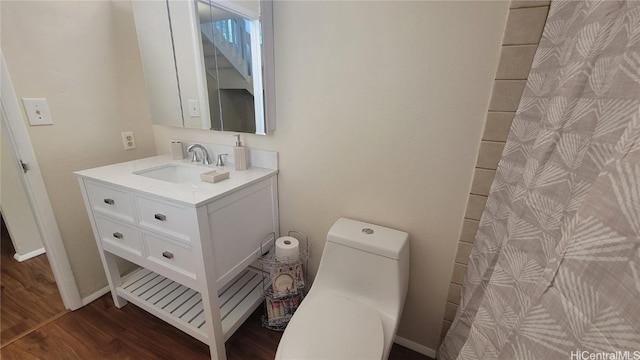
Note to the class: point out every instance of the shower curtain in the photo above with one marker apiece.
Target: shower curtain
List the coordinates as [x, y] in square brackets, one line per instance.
[555, 268]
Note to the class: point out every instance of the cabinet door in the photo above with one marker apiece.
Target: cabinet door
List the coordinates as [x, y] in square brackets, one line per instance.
[158, 62]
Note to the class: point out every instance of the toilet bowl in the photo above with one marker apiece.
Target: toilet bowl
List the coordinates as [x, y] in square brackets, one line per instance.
[353, 307]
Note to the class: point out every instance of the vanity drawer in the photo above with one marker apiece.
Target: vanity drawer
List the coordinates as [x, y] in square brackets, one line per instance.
[165, 218]
[110, 201]
[119, 238]
[170, 255]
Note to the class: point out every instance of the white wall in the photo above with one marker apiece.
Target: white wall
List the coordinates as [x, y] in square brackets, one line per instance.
[380, 111]
[83, 57]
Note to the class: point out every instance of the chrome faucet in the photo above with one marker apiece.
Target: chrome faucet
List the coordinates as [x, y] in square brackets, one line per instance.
[206, 159]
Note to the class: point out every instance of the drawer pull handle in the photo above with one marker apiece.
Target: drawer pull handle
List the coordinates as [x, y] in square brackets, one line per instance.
[160, 217]
[167, 254]
[109, 201]
[117, 235]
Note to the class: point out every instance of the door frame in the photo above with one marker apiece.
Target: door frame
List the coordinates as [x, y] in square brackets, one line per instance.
[18, 135]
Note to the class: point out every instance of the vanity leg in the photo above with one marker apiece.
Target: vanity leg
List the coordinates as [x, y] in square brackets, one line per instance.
[206, 275]
[113, 276]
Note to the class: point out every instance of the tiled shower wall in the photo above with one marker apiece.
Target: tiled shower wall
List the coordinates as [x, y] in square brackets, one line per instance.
[521, 37]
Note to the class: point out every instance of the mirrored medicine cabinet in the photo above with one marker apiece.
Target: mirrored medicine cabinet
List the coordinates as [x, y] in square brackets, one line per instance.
[208, 64]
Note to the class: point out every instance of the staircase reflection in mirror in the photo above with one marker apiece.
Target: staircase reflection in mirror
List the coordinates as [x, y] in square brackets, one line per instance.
[229, 48]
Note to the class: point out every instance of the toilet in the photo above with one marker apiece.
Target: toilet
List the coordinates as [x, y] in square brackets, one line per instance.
[353, 307]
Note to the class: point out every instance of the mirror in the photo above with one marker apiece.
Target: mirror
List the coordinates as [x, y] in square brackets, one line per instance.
[208, 64]
[229, 42]
[158, 63]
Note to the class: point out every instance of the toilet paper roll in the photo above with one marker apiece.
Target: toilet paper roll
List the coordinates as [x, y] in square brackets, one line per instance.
[177, 152]
[287, 248]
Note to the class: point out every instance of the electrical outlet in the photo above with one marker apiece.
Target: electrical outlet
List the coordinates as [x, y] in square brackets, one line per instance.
[37, 111]
[128, 140]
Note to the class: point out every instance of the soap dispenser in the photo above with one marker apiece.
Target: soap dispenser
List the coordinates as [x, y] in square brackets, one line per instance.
[240, 154]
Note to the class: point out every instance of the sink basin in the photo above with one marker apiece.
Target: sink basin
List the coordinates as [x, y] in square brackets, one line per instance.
[174, 173]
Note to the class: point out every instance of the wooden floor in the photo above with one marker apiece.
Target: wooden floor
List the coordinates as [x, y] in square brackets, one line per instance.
[36, 326]
[102, 331]
[29, 295]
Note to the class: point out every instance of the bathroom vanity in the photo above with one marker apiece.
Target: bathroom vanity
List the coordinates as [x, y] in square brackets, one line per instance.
[193, 240]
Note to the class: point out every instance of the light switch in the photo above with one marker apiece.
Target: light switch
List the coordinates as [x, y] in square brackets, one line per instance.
[194, 108]
[37, 111]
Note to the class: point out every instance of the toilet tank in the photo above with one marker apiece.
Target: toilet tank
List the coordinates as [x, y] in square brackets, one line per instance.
[366, 262]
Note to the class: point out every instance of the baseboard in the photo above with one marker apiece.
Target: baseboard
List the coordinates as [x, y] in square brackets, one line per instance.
[29, 255]
[415, 347]
[95, 295]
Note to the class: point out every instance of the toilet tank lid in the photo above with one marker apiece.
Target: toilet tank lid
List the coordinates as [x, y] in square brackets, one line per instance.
[371, 238]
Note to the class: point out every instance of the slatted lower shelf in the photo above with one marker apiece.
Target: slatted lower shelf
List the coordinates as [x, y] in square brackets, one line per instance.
[182, 306]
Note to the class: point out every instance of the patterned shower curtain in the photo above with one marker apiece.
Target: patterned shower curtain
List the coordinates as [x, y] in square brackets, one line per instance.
[555, 268]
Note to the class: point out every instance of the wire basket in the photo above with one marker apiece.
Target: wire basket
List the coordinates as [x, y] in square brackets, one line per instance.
[279, 305]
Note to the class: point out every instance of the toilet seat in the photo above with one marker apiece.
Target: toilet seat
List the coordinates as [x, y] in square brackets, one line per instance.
[327, 326]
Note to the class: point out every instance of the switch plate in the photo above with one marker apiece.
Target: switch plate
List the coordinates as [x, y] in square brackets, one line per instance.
[128, 140]
[37, 111]
[194, 108]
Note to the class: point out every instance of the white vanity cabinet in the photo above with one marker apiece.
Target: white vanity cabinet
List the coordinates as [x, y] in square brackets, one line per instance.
[193, 242]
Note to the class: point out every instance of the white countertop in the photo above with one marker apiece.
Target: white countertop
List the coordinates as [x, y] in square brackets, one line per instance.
[193, 192]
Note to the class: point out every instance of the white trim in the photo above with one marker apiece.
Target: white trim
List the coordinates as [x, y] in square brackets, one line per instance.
[36, 192]
[29, 255]
[96, 295]
[268, 65]
[412, 345]
[256, 76]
